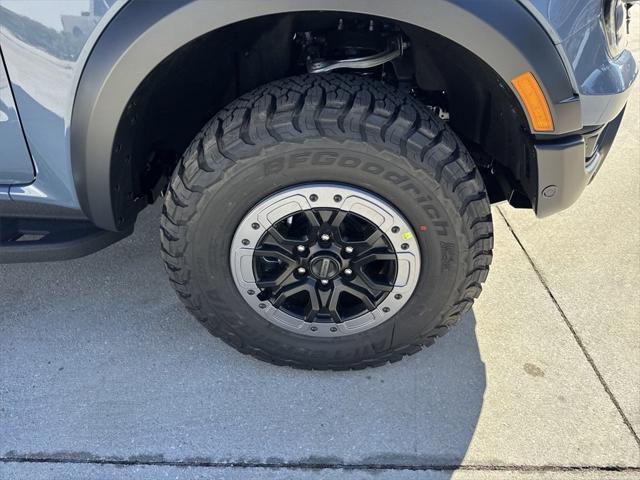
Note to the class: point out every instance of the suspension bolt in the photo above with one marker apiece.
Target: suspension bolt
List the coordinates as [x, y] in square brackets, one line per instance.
[302, 270]
[325, 237]
[348, 249]
[301, 248]
[324, 281]
[245, 242]
[348, 271]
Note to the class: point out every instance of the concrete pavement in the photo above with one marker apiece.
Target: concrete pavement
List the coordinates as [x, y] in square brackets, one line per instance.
[103, 374]
[102, 367]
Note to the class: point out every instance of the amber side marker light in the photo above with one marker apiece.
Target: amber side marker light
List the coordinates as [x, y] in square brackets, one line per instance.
[534, 101]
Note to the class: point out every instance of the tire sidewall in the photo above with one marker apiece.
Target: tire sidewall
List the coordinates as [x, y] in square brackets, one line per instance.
[394, 178]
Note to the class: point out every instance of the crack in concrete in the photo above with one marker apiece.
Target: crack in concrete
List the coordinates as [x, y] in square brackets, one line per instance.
[573, 331]
[316, 466]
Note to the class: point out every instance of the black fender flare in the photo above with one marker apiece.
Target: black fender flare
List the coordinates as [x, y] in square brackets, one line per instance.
[142, 34]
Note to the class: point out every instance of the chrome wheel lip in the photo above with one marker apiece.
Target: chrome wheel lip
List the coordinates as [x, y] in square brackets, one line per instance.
[325, 195]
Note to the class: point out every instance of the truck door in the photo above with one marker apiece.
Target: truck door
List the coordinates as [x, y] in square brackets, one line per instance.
[16, 166]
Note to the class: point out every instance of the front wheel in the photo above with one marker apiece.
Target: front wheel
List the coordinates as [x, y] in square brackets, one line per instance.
[327, 222]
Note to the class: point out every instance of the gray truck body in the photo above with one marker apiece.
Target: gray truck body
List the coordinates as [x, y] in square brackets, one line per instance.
[69, 72]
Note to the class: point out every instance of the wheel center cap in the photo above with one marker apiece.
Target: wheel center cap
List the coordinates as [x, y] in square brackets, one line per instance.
[324, 267]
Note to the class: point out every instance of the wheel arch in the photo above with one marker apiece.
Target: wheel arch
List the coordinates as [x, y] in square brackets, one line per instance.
[141, 37]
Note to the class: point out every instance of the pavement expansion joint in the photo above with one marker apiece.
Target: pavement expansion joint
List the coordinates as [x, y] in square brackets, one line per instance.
[26, 458]
[572, 329]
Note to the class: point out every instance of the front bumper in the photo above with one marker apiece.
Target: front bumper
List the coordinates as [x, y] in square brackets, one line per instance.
[567, 163]
[566, 166]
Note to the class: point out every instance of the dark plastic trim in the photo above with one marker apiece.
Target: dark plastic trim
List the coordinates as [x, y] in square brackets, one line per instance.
[20, 208]
[604, 144]
[564, 171]
[561, 174]
[61, 240]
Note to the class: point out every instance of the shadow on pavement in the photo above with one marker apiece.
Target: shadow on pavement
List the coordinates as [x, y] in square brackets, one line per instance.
[100, 361]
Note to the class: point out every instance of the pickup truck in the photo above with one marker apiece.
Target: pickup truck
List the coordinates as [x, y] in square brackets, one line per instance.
[325, 167]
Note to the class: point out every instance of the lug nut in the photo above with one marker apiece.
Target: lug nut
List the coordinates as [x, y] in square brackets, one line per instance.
[302, 270]
[325, 237]
[324, 281]
[348, 249]
[348, 271]
[301, 248]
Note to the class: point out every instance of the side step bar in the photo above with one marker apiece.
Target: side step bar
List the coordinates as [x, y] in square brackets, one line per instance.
[44, 240]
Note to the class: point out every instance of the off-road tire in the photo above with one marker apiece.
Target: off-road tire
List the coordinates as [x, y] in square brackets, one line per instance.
[304, 129]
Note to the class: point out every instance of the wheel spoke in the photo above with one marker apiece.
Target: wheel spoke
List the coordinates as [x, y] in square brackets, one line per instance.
[332, 302]
[279, 240]
[311, 218]
[365, 246]
[360, 293]
[365, 281]
[282, 280]
[337, 218]
[334, 223]
[274, 253]
[363, 260]
[365, 277]
[373, 238]
[314, 306]
[283, 294]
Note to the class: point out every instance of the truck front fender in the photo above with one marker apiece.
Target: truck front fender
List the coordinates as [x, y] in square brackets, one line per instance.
[143, 33]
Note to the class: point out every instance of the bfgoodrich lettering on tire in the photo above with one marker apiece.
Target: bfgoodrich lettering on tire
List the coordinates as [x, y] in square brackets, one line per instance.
[327, 222]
